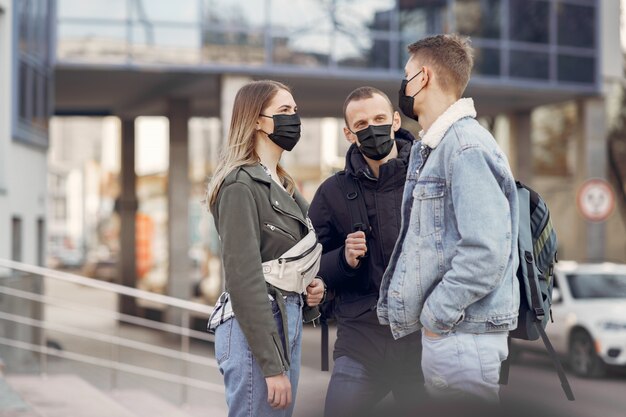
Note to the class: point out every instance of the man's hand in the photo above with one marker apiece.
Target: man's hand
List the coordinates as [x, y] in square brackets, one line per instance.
[430, 334]
[355, 247]
[315, 292]
[278, 391]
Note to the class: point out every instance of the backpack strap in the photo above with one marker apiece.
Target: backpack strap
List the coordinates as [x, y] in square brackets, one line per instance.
[557, 364]
[351, 189]
[527, 265]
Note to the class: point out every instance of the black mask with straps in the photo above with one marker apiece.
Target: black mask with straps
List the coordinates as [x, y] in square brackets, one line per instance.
[286, 130]
[406, 102]
[376, 141]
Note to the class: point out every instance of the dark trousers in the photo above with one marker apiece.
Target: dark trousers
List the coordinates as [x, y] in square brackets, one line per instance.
[355, 390]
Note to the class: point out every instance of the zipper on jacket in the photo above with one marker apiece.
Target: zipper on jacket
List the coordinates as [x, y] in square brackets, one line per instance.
[280, 357]
[274, 228]
[290, 215]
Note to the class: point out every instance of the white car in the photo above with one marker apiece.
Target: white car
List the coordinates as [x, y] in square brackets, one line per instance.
[589, 312]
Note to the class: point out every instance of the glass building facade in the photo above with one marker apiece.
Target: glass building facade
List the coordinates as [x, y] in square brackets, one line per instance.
[33, 53]
[540, 42]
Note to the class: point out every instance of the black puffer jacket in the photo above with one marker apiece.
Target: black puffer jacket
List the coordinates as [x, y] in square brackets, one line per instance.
[356, 290]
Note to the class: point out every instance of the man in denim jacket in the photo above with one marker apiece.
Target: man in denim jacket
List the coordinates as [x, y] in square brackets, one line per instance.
[452, 272]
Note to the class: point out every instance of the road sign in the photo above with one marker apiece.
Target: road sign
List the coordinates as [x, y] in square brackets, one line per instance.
[596, 200]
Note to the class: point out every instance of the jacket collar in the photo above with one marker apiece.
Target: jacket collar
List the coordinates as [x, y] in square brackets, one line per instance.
[280, 200]
[257, 173]
[457, 111]
[357, 166]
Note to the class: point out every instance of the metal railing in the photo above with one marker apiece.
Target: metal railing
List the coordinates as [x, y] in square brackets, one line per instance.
[19, 272]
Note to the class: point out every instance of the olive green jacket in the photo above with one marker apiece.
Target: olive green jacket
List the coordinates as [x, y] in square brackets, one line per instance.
[257, 221]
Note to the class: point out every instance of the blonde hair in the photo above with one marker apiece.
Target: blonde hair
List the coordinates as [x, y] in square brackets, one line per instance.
[452, 57]
[239, 151]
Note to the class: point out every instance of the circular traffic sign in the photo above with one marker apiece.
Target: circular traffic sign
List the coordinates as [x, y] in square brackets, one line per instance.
[596, 200]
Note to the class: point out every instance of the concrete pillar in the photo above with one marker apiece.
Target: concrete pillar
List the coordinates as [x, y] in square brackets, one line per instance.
[521, 147]
[179, 284]
[229, 85]
[592, 163]
[128, 211]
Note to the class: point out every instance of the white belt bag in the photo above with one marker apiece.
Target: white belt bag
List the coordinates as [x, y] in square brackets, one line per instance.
[295, 269]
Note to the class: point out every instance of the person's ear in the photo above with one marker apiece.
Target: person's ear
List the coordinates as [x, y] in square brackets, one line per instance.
[350, 137]
[397, 121]
[426, 73]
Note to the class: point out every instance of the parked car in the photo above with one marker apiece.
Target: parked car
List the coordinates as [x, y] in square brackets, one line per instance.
[589, 313]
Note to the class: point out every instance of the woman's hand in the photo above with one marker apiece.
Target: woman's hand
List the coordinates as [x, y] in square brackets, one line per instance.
[315, 292]
[278, 391]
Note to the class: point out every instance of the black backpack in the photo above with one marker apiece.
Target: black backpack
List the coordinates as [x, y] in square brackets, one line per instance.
[537, 246]
[351, 189]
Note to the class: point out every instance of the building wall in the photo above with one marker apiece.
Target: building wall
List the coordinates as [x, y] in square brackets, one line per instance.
[22, 167]
[5, 117]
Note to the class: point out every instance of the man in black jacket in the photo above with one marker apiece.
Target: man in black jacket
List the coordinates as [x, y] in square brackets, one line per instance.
[369, 363]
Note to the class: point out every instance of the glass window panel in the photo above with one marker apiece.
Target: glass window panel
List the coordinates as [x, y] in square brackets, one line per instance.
[577, 25]
[182, 11]
[40, 105]
[478, 18]
[24, 13]
[486, 61]
[156, 43]
[357, 17]
[529, 20]
[421, 17]
[231, 47]
[352, 51]
[525, 64]
[576, 69]
[109, 9]
[92, 42]
[310, 16]
[24, 92]
[41, 30]
[304, 49]
[239, 14]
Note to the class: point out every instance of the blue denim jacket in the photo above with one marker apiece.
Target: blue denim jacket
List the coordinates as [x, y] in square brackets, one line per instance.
[453, 266]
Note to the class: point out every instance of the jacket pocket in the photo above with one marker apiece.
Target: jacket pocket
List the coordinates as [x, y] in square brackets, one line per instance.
[427, 212]
[223, 341]
[280, 231]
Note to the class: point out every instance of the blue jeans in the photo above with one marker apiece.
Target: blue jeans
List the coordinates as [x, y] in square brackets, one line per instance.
[246, 389]
[464, 365]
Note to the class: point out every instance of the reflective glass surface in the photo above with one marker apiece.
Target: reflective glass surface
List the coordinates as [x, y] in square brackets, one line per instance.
[487, 61]
[159, 43]
[534, 65]
[234, 14]
[335, 34]
[420, 17]
[529, 20]
[576, 69]
[576, 25]
[82, 9]
[92, 42]
[304, 49]
[478, 18]
[232, 47]
[182, 11]
[363, 53]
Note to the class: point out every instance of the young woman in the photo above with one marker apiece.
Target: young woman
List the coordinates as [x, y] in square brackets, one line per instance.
[265, 237]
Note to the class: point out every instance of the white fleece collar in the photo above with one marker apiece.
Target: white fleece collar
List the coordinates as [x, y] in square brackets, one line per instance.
[462, 108]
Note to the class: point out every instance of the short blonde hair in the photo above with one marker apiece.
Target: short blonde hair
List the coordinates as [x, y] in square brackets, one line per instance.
[450, 55]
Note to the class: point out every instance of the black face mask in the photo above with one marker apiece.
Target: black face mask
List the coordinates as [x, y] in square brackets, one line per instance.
[406, 102]
[376, 141]
[286, 130]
